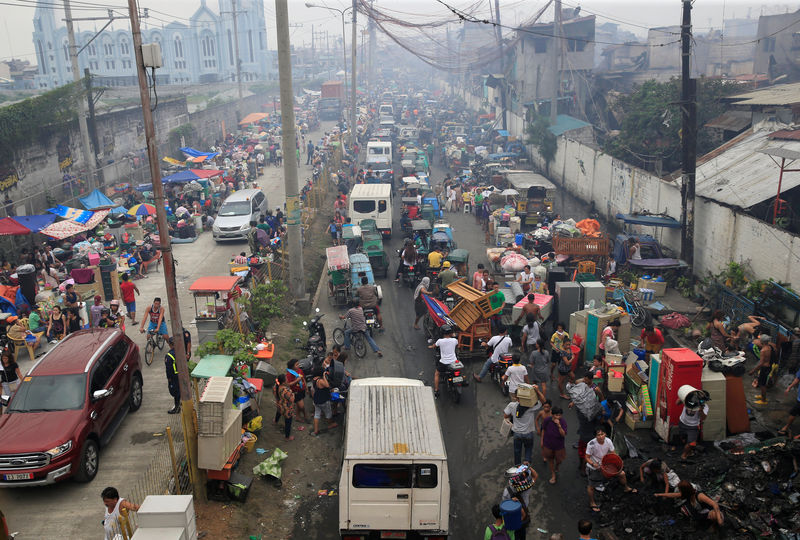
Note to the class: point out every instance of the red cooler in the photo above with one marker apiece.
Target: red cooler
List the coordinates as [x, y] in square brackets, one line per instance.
[678, 367]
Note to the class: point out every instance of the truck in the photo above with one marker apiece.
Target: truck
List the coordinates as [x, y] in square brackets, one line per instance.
[331, 100]
[394, 481]
[372, 201]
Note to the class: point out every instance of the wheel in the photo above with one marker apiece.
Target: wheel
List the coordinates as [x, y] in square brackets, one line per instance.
[456, 392]
[90, 459]
[160, 341]
[149, 351]
[338, 336]
[360, 345]
[638, 316]
[136, 394]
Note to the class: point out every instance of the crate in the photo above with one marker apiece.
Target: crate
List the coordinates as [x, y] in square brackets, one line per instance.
[633, 421]
[465, 314]
[215, 401]
[166, 511]
[526, 395]
[213, 452]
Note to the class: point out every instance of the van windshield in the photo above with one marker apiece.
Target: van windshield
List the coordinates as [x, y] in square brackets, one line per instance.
[235, 208]
[50, 393]
[376, 150]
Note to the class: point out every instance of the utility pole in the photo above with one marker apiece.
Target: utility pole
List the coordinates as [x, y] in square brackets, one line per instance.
[87, 77]
[371, 62]
[504, 85]
[313, 56]
[556, 74]
[89, 158]
[688, 136]
[187, 404]
[297, 284]
[353, 47]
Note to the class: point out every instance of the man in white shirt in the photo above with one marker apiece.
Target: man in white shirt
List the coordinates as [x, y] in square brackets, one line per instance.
[689, 427]
[596, 450]
[501, 343]
[515, 375]
[523, 425]
[447, 356]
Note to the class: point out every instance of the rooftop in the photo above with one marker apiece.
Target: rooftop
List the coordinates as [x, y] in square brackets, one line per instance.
[782, 94]
[731, 121]
[565, 123]
[72, 354]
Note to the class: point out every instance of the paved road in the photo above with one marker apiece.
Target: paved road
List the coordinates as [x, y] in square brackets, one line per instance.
[74, 510]
[477, 455]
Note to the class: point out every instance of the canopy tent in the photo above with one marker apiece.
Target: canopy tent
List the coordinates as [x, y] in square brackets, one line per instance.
[64, 229]
[180, 177]
[96, 200]
[252, 118]
[189, 151]
[36, 222]
[73, 214]
[650, 221]
[11, 227]
[207, 173]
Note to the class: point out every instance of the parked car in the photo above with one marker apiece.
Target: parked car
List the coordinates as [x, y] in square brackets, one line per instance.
[68, 407]
[236, 213]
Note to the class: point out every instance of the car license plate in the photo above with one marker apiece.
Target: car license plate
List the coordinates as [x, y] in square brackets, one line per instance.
[370, 321]
[458, 379]
[19, 476]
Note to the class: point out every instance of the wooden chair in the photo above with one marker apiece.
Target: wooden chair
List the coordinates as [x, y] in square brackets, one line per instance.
[469, 339]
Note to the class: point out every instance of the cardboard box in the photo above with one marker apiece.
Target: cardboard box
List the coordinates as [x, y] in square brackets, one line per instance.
[633, 421]
[166, 511]
[616, 383]
[213, 452]
[659, 287]
[527, 395]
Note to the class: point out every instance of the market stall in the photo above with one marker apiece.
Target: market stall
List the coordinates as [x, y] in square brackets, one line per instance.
[212, 312]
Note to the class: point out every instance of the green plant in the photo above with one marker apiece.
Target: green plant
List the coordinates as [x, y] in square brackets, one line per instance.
[267, 301]
[540, 136]
[226, 341]
[685, 286]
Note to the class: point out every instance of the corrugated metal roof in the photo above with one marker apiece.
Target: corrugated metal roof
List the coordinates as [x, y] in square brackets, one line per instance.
[566, 123]
[781, 94]
[743, 175]
[731, 121]
[392, 418]
[786, 134]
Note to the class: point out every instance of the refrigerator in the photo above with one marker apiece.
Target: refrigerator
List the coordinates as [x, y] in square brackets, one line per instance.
[593, 290]
[678, 367]
[568, 300]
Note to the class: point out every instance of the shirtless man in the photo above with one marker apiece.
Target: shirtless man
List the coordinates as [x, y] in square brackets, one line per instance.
[530, 307]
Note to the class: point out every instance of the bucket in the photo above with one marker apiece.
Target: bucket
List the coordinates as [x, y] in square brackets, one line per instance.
[641, 354]
[251, 442]
[611, 465]
[519, 238]
[512, 514]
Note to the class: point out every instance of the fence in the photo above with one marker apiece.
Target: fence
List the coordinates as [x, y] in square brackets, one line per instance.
[167, 474]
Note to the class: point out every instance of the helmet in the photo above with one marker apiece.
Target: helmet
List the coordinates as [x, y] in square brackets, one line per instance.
[446, 329]
[114, 302]
[446, 264]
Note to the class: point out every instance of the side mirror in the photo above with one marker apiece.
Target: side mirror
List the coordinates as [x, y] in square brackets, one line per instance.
[100, 394]
[305, 323]
[4, 399]
[317, 310]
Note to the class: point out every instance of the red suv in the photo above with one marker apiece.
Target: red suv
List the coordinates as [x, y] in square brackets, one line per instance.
[68, 406]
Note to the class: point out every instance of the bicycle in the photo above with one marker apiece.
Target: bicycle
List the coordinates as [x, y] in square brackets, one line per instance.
[359, 342]
[155, 340]
[630, 301]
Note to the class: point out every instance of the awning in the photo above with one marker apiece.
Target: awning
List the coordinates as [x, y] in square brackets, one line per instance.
[211, 284]
[731, 121]
[64, 229]
[207, 173]
[11, 227]
[180, 177]
[73, 214]
[650, 221]
[191, 152]
[252, 118]
[96, 200]
[95, 220]
[36, 222]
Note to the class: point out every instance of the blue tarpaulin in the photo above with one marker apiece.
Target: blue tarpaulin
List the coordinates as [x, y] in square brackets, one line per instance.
[118, 210]
[197, 153]
[503, 133]
[35, 223]
[179, 177]
[78, 216]
[96, 200]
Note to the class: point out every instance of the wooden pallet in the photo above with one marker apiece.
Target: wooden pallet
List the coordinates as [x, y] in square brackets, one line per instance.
[474, 296]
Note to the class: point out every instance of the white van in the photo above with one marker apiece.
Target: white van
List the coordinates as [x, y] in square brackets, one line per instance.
[387, 109]
[372, 201]
[394, 481]
[236, 213]
[379, 153]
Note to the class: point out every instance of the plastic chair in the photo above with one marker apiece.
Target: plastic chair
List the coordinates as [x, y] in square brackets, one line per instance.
[467, 208]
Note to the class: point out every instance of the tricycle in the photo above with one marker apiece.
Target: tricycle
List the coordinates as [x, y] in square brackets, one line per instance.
[361, 268]
[459, 259]
[338, 276]
[372, 247]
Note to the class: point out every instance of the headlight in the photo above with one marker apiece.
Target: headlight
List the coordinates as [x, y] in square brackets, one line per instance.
[215, 228]
[245, 227]
[59, 450]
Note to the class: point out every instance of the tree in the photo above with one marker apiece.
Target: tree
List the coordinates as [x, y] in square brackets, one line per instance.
[650, 129]
[542, 138]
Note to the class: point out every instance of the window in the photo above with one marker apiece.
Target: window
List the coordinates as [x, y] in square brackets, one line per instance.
[382, 476]
[381, 206]
[261, 40]
[66, 52]
[395, 476]
[768, 44]
[124, 48]
[363, 207]
[108, 49]
[575, 45]
[92, 50]
[179, 47]
[250, 41]
[230, 47]
[40, 51]
[50, 392]
[540, 45]
[796, 41]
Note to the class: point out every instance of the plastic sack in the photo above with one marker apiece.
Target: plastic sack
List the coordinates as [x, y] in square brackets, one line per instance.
[255, 424]
[513, 262]
[584, 398]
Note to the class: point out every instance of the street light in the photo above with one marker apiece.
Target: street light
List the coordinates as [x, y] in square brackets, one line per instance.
[344, 41]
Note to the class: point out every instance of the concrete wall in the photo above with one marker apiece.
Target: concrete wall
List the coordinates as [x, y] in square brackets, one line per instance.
[722, 234]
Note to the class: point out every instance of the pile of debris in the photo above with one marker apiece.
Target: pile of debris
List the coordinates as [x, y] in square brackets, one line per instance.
[755, 482]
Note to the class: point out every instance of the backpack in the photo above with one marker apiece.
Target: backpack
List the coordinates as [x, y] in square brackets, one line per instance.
[499, 534]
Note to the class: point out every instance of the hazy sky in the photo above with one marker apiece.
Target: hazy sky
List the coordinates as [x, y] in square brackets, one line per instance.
[17, 15]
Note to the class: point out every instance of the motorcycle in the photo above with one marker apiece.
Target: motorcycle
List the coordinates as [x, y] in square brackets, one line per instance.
[454, 379]
[316, 334]
[497, 370]
[449, 299]
[371, 319]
